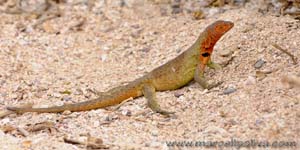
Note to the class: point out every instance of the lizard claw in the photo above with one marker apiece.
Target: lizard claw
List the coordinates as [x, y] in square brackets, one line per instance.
[213, 85]
[164, 112]
[214, 65]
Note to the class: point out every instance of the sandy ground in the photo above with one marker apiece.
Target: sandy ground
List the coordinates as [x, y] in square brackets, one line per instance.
[55, 64]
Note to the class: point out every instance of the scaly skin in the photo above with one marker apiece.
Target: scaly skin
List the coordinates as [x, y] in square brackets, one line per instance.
[174, 74]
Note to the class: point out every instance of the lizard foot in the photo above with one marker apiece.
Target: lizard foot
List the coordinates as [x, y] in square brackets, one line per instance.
[214, 65]
[213, 85]
[163, 112]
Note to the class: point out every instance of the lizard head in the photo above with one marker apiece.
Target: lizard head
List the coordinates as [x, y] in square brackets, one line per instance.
[212, 34]
[220, 27]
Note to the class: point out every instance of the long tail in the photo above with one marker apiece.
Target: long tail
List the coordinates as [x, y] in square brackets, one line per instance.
[114, 97]
[81, 106]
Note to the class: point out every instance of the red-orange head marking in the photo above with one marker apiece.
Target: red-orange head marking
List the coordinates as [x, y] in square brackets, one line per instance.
[213, 33]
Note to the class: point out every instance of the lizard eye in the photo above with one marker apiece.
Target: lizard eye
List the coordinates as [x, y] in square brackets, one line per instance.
[205, 54]
[220, 28]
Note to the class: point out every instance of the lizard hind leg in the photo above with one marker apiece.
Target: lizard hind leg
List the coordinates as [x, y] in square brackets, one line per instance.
[149, 93]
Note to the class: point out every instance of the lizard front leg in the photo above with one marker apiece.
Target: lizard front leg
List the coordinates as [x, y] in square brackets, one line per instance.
[149, 93]
[199, 78]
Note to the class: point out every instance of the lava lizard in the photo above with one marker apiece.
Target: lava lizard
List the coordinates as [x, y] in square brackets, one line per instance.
[172, 75]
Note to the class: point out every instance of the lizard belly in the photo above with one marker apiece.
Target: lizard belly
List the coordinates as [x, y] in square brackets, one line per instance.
[174, 79]
[121, 93]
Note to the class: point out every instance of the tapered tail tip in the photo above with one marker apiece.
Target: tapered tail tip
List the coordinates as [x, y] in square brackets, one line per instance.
[14, 109]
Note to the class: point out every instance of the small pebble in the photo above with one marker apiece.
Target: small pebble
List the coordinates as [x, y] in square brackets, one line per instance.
[198, 15]
[56, 95]
[146, 49]
[229, 90]
[250, 80]
[103, 57]
[126, 113]
[5, 120]
[260, 75]
[96, 123]
[225, 52]
[108, 118]
[78, 92]
[155, 145]
[2, 82]
[67, 98]
[154, 132]
[259, 63]
[136, 34]
[14, 96]
[3, 94]
[176, 10]
[66, 112]
[258, 122]
[178, 93]
[135, 26]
